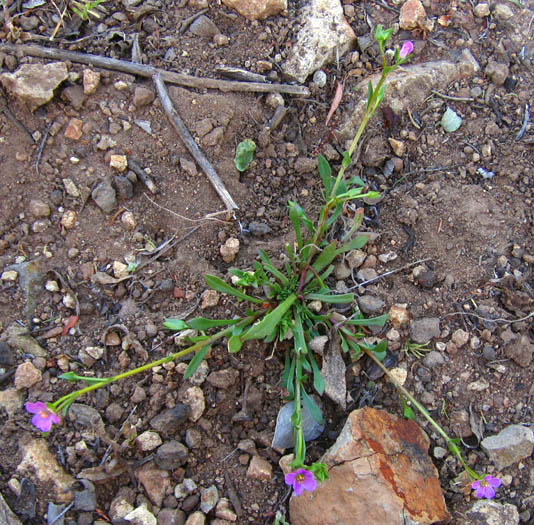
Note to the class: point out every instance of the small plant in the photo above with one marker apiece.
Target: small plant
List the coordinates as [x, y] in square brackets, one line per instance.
[293, 303]
[86, 8]
[416, 349]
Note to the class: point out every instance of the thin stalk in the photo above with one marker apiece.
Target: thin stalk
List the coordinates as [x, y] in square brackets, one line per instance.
[450, 442]
[65, 401]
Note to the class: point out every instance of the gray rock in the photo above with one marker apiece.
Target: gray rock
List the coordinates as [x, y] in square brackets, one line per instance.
[370, 305]
[425, 329]
[223, 378]
[283, 432]
[171, 517]
[193, 438]
[170, 420]
[497, 72]
[333, 372]
[85, 500]
[208, 498]
[259, 229]
[375, 152]
[324, 34]
[141, 516]
[7, 355]
[341, 270]
[509, 446]
[489, 512]
[7, 516]
[433, 359]
[104, 196]
[35, 83]
[75, 96]
[410, 85]
[142, 96]
[203, 26]
[171, 455]
[55, 514]
[85, 415]
[123, 186]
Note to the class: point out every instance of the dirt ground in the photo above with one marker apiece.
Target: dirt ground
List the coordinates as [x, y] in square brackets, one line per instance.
[474, 233]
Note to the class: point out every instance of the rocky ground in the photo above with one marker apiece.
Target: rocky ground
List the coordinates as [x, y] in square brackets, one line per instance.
[107, 226]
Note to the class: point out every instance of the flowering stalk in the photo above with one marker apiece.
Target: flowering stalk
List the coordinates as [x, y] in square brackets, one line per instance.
[46, 415]
[483, 485]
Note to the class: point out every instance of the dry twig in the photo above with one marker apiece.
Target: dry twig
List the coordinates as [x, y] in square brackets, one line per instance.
[146, 71]
[190, 143]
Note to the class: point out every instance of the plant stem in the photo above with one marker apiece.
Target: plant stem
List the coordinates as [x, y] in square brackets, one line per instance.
[65, 401]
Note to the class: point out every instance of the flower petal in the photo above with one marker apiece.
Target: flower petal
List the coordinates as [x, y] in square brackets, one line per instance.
[35, 408]
[309, 483]
[493, 482]
[489, 492]
[41, 423]
[298, 488]
[290, 478]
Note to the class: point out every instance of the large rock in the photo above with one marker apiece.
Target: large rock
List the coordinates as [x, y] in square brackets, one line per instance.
[257, 9]
[324, 33]
[408, 86]
[7, 516]
[380, 473]
[35, 83]
[489, 512]
[39, 464]
[509, 446]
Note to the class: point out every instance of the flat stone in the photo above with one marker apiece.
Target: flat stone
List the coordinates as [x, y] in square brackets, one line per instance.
[91, 81]
[204, 27]
[503, 12]
[75, 96]
[171, 517]
[73, 131]
[333, 372]
[509, 446]
[230, 249]
[11, 400]
[370, 305]
[38, 208]
[26, 343]
[104, 196]
[171, 455]
[489, 512]
[424, 330]
[259, 469]
[257, 9]
[433, 359]
[27, 375]
[223, 378]
[170, 420]
[521, 351]
[210, 298]
[141, 516]
[193, 397]
[324, 34]
[155, 481]
[7, 516]
[380, 473]
[208, 498]
[35, 83]
[148, 440]
[39, 464]
[409, 86]
[143, 96]
[197, 518]
[497, 72]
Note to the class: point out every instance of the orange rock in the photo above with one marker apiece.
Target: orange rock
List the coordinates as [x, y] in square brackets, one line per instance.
[380, 473]
[412, 15]
[74, 129]
[257, 9]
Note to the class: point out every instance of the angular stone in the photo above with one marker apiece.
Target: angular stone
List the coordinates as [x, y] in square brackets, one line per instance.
[11, 400]
[91, 81]
[509, 446]
[257, 9]
[324, 35]
[171, 517]
[203, 26]
[27, 375]
[208, 498]
[197, 518]
[380, 473]
[143, 96]
[497, 72]
[333, 372]
[370, 305]
[73, 131]
[521, 351]
[171, 455]
[410, 85]
[412, 15]
[170, 420]
[38, 209]
[223, 378]
[35, 83]
[230, 249]
[148, 440]
[39, 464]
[141, 516]
[104, 196]
[489, 512]
[193, 397]
[155, 482]
[259, 469]
[7, 516]
[424, 330]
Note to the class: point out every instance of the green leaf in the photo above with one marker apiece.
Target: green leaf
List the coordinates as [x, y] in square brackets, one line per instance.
[244, 154]
[269, 323]
[333, 299]
[378, 350]
[344, 344]
[202, 323]
[407, 411]
[272, 270]
[174, 324]
[372, 321]
[220, 286]
[325, 257]
[195, 362]
[450, 121]
[345, 163]
[285, 374]
[355, 180]
[298, 335]
[369, 93]
[325, 171]
[354, 244]
[318, 381]
[234, 344]
[71, 376]
[320, 471]
[313, 409]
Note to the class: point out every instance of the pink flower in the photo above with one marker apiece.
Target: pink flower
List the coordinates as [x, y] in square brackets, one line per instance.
[44, 418]
[406, 49]
[300, 480]
[485, 488]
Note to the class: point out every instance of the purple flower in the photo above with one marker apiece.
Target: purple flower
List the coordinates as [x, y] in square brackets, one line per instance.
[300, 480]
[406, 49]
[485, 488]
[44, 418]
